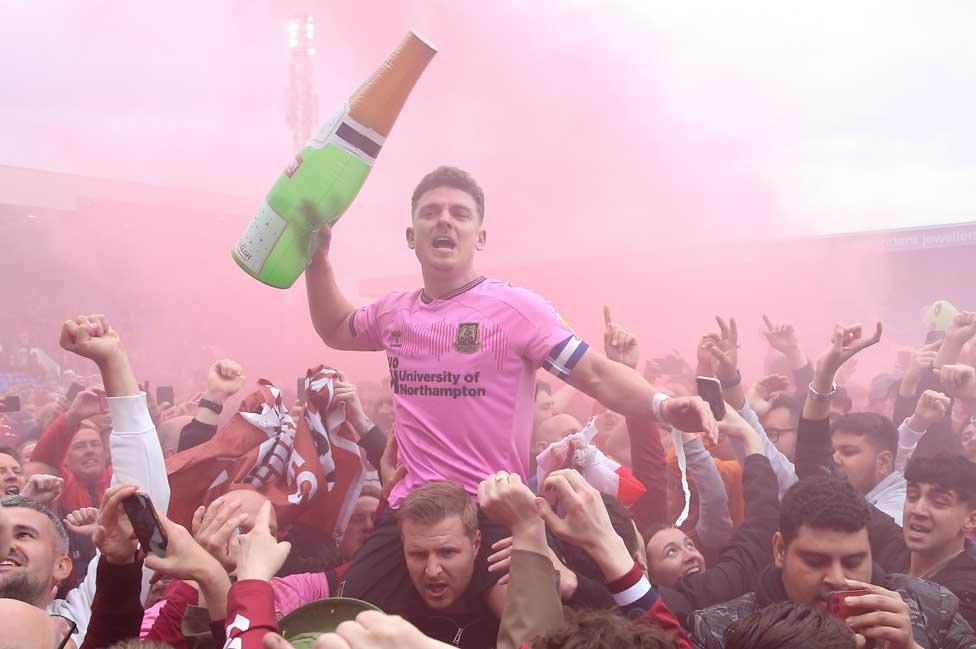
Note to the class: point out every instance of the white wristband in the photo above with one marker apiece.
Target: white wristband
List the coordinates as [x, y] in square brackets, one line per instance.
[659, 398]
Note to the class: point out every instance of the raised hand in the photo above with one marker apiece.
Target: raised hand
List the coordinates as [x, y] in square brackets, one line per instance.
[225, 378]
[348, 394]
[506, 500]
[586, 522]
[370, 630]
[87, 404]
[923, 360]
[734, 426]
[213, 529]
[391, 471]
[765, 390]
[43, 488]
[91, 336]
[618, 343]
[113, 536]
[781, 336]
[261, 554]
[321, 256]
[185, 558]
[959, 381]
[962, 328]
[932, 407]
[690, 415]
[725, 349]
[82, 521]
[845, 343]
[501, 561]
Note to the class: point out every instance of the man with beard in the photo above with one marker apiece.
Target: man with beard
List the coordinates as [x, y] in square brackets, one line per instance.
[38, 559]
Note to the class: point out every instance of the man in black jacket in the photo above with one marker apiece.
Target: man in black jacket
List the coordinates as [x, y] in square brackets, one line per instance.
[940, 507]
[940, 511]
[823, 547]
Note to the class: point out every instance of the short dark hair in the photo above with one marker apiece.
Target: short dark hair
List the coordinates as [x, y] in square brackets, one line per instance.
[445, 176]
[949, 471]
[824, 503]
[9, 450]
[590, 629]
[26, 503]
[437, 500]
[786, 625]
[651, 530]
[878, 429]
[580, 562]
[786, 401]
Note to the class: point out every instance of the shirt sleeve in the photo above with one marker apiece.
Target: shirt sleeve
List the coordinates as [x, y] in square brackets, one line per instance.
[546, 338]
[250, 614]
[117, 609]
[367, 323]
[714, 521]
[908, 440]
[53, 444]
[782, 467]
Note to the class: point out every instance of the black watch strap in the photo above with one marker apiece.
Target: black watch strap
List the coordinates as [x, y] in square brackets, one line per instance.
[210, 405]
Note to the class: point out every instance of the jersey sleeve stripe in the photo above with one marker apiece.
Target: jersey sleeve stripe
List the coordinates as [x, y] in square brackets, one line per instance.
[564, 356]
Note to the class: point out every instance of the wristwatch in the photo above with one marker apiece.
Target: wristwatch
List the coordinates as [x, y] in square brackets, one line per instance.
[216, 408]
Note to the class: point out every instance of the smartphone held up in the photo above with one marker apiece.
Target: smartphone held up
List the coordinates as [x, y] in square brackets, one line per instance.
[145, 523]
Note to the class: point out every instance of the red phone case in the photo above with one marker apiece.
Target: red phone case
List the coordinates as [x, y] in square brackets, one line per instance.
[836, 606]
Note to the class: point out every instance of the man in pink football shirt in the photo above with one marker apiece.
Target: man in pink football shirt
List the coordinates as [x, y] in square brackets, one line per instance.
[463, 353]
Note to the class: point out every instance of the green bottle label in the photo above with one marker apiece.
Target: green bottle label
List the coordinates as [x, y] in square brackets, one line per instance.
[259, 240]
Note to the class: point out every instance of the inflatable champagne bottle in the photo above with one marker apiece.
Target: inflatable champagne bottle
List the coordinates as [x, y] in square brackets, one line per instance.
[325, 176]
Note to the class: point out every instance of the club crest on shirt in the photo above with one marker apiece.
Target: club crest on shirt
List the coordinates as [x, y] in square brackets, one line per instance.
[396, 339]
[467, 338]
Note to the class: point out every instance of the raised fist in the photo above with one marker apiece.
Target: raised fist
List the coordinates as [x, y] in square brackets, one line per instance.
[224, 380]
[91, 336]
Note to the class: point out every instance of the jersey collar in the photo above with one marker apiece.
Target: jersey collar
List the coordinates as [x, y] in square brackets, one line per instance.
[426, 299]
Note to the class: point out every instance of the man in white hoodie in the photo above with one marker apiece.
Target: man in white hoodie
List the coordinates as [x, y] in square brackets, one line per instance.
[37, 561]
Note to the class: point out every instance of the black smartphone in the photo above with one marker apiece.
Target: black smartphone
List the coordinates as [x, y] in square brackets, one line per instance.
[145, 523]
[300, 389]
[934, 335]
[164, 394]
[10, 404]
[710, 390]
[73, 391]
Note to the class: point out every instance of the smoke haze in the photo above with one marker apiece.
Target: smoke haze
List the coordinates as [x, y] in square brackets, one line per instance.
[638, 154]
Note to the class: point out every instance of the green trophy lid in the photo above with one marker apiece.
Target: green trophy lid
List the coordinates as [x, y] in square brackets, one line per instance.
[303, 626]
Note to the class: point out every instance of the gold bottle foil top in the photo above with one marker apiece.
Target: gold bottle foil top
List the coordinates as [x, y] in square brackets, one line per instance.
[378, 101]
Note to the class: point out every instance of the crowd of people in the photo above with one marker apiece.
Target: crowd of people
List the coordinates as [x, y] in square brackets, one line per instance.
[473, 501]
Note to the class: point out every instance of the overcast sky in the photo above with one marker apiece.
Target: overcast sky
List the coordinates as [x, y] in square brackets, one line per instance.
[656, 118]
